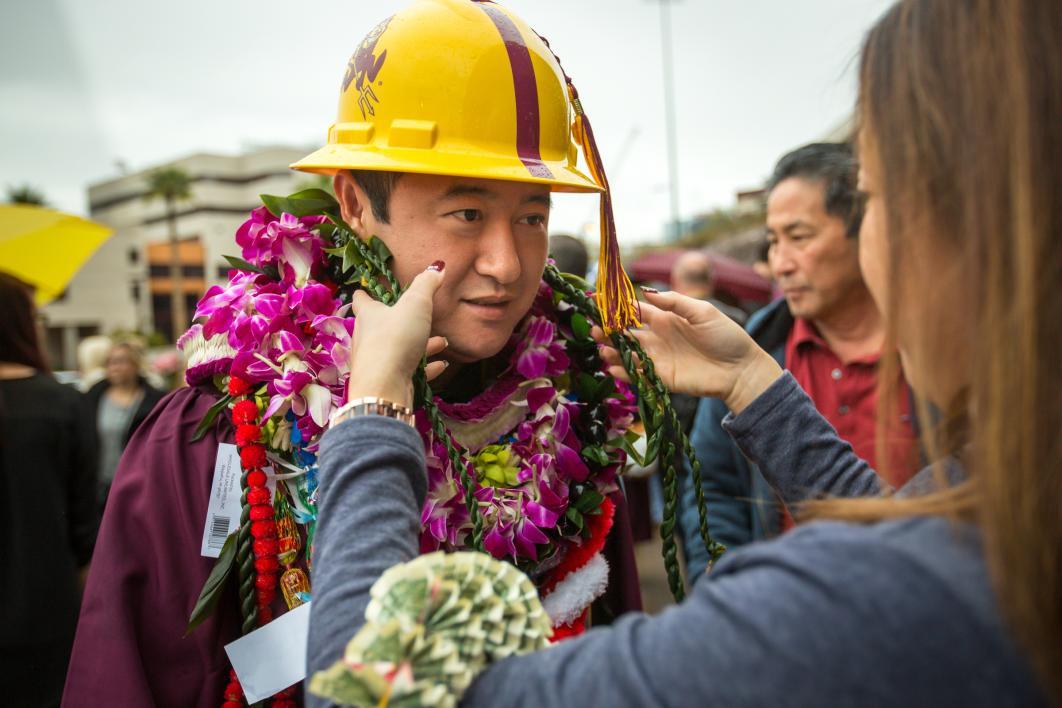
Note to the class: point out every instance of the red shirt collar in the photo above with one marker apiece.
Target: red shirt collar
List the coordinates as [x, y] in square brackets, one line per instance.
[804, 333]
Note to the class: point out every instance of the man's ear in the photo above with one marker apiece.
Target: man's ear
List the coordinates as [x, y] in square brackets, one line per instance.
[352, 201]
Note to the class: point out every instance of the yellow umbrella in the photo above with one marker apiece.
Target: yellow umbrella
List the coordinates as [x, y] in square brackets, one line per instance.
[46, 248]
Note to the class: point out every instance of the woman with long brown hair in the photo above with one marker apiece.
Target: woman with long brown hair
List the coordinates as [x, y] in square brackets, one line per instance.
[945, 592]
[47, 507]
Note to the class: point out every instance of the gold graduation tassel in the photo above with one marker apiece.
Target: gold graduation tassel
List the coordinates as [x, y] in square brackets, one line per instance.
[616, 302]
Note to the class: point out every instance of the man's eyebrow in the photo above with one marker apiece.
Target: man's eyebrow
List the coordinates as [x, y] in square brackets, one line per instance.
[794, 225]
[468, 190]
[543, 199]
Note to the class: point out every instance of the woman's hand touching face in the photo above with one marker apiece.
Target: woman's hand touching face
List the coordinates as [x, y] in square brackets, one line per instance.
[389, 342]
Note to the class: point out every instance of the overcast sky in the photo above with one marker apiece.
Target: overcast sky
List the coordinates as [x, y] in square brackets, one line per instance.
[86, 84]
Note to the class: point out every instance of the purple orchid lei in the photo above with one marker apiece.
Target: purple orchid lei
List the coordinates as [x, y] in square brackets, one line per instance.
[545, 441]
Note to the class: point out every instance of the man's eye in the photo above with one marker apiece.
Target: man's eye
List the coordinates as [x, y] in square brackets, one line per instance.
[534, 220]
[468, 215]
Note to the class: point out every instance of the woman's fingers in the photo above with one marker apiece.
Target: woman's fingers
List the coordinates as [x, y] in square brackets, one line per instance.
[435, 345]
[688, 308]
[422, 289]
[434, 368]
[609, 355]
[358, 301]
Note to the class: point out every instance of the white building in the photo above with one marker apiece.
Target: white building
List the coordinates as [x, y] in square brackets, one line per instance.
[125, 286]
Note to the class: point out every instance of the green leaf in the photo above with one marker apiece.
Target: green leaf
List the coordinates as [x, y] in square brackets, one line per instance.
[596, 455]
[214, 586]
[652, 447]
[296, 206]
[589, 501]
[626, 443]
[211, 414]
[240, 264]
[605, 388]
[575, 517]
[317, 195]
[352, 256]
[578, 282]
[580, 326]
[380, 249]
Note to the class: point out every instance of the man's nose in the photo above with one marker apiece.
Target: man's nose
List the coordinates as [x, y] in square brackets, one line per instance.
[498, 257]
[780, 260]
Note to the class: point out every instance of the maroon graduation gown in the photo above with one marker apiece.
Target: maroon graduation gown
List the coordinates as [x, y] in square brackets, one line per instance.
[146, 573]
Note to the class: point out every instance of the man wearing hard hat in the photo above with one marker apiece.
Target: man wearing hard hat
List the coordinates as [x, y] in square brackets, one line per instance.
[455, 124]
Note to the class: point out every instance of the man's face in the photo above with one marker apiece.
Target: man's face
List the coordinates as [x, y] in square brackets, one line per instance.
[492, 236]
[815, 263]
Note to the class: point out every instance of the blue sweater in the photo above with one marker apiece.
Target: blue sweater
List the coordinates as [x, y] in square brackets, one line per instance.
[896, 613]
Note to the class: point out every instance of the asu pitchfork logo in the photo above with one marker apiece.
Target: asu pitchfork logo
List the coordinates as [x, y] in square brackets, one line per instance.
[363, 68]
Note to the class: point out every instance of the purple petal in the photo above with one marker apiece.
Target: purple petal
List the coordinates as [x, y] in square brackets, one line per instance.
[538, 397]
[541, 516]
[275, 404]
[498, 543]
[269, 306]
[561, 423]
[289, 341]
[532, 363]
[570, 464]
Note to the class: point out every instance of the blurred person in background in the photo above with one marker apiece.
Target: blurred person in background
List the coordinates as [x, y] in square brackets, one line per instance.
[827, 331]
[762, 266]
[569, 253]
[692, 276]
[92, 360]
[48, 507]
[117, 406]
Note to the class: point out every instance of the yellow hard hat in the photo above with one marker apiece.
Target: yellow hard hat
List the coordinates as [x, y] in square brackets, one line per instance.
[465, 88]
[458, 88]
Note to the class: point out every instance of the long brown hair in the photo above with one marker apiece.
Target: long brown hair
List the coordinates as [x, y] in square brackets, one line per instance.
[960, 105]
[19, 343]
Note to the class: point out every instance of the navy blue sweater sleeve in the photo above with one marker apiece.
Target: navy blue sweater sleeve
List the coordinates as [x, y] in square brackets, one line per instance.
[797, 450]
[899, 613]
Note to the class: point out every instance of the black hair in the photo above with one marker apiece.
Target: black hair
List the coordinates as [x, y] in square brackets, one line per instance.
[832, 164]
[19, 343]
[377, 185]
[569, 253]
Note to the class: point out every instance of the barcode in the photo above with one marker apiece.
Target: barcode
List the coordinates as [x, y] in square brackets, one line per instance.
[219, 531]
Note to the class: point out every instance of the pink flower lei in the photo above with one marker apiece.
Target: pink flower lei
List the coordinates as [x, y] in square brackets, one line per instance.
[546, 440]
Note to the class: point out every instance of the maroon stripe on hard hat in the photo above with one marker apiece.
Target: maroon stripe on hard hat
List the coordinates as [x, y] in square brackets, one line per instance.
[526, 89]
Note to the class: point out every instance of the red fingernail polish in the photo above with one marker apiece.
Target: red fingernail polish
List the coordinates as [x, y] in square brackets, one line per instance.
[647, 289]
[437, 265]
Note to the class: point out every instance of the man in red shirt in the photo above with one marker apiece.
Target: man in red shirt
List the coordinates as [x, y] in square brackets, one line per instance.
[826, 331]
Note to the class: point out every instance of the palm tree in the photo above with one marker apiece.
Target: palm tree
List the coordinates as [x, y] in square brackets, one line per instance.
[26, 194]
[173, 184]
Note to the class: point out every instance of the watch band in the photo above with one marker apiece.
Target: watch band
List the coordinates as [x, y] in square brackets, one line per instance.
[370, 405]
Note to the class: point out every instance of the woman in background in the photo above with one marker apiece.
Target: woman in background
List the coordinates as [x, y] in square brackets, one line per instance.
[47, 508]
[117, 406]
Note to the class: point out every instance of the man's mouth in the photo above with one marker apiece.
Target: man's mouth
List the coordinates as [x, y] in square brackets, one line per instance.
[489, 308]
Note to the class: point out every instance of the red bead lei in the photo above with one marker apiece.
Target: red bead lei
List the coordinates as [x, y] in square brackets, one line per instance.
[263, 527]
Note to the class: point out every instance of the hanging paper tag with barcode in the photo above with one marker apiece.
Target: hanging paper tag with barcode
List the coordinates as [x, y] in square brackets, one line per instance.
[223, 511]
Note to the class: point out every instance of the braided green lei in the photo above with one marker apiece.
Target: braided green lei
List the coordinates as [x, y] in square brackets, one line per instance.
[364, 264]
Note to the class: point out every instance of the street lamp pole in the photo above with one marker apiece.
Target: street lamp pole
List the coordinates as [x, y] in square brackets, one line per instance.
[669, 116]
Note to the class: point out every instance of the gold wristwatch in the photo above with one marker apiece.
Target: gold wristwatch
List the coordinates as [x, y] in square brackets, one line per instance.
[370, 405]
